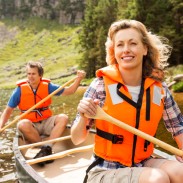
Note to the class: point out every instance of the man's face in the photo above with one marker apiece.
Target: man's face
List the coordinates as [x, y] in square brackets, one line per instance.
[33, 76]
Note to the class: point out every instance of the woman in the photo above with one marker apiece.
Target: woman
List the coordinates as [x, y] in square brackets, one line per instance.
[132, 90]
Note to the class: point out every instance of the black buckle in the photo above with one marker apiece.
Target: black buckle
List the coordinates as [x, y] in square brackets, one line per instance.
[146, 144]
[117, 139]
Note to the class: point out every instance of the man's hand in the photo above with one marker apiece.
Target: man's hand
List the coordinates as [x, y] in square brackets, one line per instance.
[81, 74]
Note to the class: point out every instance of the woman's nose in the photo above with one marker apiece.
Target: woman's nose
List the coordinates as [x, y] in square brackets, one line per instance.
[126, 48]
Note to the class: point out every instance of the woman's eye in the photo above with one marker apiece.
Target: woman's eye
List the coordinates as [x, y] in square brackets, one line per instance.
[133, 43]
[118, 45]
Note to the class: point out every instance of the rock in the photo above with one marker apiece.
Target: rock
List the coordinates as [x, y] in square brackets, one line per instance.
[171, 84]
[178, 77]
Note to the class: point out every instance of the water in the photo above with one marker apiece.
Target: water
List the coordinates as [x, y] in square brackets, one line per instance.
[65, 104]
[7, 168]
[7, 162]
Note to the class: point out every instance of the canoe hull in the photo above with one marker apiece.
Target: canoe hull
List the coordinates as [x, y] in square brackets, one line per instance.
[70, 168]
[25, 172]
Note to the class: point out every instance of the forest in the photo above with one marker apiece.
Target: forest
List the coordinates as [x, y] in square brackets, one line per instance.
[162, 17]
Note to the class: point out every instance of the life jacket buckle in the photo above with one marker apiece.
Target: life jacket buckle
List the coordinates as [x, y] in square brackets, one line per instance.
[146, 144]
[117, 139]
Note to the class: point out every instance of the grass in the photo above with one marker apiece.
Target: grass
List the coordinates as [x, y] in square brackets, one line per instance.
[178, 87]
[173, 71]
[52, 44]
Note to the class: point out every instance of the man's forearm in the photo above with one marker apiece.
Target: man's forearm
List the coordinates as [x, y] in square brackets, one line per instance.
[72, 88]
[5, 116]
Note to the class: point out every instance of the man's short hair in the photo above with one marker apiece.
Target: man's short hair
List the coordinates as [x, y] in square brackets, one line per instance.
[37, 65]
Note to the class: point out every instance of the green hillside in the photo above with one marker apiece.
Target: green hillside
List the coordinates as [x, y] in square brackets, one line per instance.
[54, 45]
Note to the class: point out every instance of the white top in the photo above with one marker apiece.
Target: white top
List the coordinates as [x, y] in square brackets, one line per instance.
[134, 91]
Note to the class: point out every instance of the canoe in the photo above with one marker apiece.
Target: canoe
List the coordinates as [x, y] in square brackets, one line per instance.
[69, 168]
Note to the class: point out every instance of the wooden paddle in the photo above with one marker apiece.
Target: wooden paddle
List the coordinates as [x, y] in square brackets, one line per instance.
[38, 104]
[44, 142]
[104, 116]
[60, 154]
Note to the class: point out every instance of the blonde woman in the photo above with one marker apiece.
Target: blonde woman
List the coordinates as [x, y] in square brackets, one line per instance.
[131, 89]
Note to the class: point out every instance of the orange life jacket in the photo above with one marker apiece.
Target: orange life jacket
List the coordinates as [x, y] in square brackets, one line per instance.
[29, 98]
[114, 143]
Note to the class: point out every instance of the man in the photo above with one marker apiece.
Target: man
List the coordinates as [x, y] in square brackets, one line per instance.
[40, 121]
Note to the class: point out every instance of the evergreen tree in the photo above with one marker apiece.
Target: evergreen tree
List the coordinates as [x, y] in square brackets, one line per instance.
[88, 39]
[176, 33]
[163, 17]
[99, 14]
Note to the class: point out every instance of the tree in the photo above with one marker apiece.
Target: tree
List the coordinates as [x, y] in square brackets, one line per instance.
[99, 14]
[163, 17]
[88, 39]
[176, 37]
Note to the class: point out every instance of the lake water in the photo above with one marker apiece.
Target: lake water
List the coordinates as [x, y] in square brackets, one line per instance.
[65, 104]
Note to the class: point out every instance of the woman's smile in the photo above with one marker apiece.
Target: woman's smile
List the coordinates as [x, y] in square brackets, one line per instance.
[127, 58]
[129, 49]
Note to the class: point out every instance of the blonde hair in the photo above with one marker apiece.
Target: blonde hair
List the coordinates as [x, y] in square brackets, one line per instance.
[158, 49]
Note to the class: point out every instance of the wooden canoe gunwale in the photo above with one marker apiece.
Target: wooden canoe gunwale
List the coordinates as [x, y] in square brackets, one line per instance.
[25, 172]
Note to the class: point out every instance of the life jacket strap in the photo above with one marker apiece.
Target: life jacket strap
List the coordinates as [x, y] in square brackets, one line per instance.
[114, 138]
[146, 144]
[97, 161]
[148, 104]
[124, 97]
[38, 110]
[139, 102]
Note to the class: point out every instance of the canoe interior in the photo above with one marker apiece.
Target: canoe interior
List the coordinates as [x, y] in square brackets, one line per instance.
[70, 169]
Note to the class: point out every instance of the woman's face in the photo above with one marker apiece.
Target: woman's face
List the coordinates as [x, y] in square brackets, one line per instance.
[129, 49]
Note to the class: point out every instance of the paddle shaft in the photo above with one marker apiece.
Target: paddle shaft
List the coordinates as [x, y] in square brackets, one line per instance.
[104, 116]
[37, 105]
[44, 142]
[60, 154]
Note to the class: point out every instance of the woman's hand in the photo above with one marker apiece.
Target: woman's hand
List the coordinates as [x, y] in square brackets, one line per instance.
[88, 106]
[179, 141]
[179, 158]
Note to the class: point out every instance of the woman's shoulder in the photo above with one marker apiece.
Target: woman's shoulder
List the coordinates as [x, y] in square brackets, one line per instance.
[97, 85]
[97, 82]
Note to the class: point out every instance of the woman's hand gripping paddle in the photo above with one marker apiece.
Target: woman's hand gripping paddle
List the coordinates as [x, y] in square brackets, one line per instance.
[104, 116]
